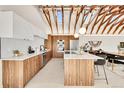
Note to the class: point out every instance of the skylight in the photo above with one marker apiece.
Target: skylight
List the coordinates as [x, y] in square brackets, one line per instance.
[59, 14]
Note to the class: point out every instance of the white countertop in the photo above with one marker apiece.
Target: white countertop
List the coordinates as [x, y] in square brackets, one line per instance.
[81, 56]
[25, 56]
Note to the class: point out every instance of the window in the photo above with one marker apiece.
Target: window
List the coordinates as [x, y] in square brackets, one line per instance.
[59, 15]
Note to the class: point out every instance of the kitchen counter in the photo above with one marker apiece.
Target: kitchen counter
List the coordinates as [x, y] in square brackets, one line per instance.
[25, 56]
[18, 71]
[76, 55]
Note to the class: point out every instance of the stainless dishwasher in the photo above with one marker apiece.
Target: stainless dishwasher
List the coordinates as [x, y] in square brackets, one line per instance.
[44, 58]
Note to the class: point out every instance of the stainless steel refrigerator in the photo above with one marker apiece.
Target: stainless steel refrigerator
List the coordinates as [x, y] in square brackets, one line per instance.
[74, 44]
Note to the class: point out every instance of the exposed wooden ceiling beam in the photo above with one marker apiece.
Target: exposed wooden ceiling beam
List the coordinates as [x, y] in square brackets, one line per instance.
[62, 19]
[89, 21]
[85, 15]
[122, 29]
[102, 22]
[68, 8]
[119, 25]
[110, 22]
[55, 18]
[103, 18]
[83, 19]
[113, 25]
[77, 17]
[50, 20]
[47, 18]
[70, 19]
[107, 24]
[95, 20]
[107, 16]
[109, 12]
[112, 15]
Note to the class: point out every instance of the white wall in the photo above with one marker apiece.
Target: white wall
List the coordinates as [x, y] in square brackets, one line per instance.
[109, 43]
[0, 74]
[29, 13]
[8, 45]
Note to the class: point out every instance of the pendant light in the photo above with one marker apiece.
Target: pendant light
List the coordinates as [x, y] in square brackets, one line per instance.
[82, 31]
[76, 35]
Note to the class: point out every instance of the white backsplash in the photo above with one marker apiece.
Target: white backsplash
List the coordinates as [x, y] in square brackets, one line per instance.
[8, 45]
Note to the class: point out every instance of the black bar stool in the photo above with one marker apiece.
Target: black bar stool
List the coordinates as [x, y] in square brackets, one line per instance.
[101, 62]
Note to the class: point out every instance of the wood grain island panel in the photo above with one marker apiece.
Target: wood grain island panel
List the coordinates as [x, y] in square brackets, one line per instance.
[78, 72]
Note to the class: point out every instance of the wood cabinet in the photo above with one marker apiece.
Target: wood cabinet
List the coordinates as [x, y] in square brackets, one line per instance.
[31, 67]
[48, 55]
[16, 74]
[78, 72]
[66, 39]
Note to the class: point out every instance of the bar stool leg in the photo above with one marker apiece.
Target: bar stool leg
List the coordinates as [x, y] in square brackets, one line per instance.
[108, 63]
[105, 75]
[112, 65]
[97, 69]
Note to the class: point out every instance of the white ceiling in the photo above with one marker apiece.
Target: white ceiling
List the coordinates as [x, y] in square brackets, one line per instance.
[28, 12]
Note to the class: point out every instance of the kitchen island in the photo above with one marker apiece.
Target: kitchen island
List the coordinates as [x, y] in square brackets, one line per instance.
[79, 69]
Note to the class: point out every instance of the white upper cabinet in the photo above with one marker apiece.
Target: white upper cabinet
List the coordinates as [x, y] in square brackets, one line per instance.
[40, 33]
[6, 24]
[22, 29]
[14, 26]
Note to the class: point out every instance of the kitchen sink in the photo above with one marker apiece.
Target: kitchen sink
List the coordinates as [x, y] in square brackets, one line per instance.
[68, 52]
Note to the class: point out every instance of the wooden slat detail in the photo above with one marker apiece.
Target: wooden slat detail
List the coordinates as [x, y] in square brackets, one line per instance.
[122, 29]
[90, 11]
[89, 21]
[117, 27]
[110, 22]
[55, 18]
[113, 15]
[70, 19]
[77, 17]
[103, 19]
[62, 19]
[83, 18]
[95, 22]
[114, 24]
[113, 7]
[47, 18]
[50, 20]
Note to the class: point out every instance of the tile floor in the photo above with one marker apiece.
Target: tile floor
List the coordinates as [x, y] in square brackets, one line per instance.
[52, 76]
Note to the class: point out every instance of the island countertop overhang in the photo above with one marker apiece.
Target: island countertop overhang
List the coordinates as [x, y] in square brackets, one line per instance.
[81, 56]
